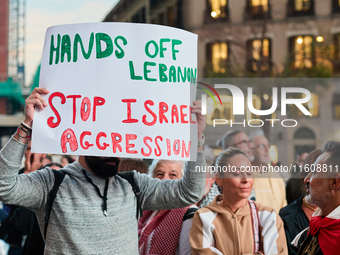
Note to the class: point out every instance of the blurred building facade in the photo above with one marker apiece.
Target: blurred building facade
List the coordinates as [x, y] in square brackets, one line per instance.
[259, 38]
[11, 67]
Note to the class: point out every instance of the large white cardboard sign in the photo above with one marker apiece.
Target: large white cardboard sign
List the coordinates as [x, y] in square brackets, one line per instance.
[118, 89]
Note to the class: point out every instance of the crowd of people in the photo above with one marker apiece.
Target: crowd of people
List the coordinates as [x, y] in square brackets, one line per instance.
[107, 205]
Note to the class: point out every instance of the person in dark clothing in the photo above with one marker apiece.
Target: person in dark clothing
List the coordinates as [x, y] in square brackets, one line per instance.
[323, 190]
[294, 185]
[296, 215]
[21, 230]
[295, 220]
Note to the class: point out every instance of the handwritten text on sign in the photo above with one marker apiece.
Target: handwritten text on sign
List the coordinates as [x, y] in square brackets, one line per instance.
[117, 89]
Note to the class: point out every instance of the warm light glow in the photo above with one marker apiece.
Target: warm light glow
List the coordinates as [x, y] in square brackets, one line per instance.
[313, 105]
[259, 45]
[303, 51]
[219, 57]
[217, 111]
[263, 3]
[266, 97]
[218, 8]
[302, 5]
[319, 39]
[273, 154]
[257, 105]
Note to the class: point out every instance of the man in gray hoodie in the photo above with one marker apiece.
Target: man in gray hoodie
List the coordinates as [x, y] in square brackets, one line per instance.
[94, 211]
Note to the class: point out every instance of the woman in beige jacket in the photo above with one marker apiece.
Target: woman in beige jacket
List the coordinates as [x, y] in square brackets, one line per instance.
[232, 224]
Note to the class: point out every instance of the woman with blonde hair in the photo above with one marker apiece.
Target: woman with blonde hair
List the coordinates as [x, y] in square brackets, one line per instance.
[232, 224]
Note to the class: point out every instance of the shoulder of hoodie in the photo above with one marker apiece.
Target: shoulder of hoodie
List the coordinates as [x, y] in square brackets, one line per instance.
[272, 211]
[259, 206]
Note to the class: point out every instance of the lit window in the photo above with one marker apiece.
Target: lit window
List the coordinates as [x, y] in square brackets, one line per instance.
[336, 106]
[257, 9]
[336, 6]
[259, 54]
[217, 111]
[300, 7]
[336, 62]
[302, 50]
[256, 3]
[217, 55]
[312, 106]
[218, 8]
[337, 46]
[257, 105]
[273, 154]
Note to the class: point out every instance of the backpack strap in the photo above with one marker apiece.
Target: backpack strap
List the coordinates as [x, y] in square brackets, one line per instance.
[129, 176]
[255, 224]
[59, 177]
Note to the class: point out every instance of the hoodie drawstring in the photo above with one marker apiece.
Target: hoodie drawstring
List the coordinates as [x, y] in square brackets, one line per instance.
[104, 197]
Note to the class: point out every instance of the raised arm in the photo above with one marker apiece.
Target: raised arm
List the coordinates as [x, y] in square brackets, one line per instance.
[25, 190]
[169, 194]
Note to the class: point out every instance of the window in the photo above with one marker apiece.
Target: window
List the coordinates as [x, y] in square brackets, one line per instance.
[216, 111]
[336, 6]
[312, 106]
[336, 60]
[179, 14]
[300, 7]
[217, 56]
[304, 133]
[161, 20]
[259, 55]
[139, 17]
[154, 3]
[257, 104]
[217, 9]
[336, 106]
[302, 51]
[257, 9]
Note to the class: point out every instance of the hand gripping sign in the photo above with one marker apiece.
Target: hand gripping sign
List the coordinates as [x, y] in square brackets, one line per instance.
[118, 89]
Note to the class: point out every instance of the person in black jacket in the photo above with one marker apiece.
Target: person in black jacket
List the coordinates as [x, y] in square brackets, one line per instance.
[296, 216]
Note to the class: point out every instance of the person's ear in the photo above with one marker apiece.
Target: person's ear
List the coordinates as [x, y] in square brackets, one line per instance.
[219, 181]
[335, 184]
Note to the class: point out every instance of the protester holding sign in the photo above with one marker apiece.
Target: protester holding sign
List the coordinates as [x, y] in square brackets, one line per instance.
[94, 210]
[118, 88]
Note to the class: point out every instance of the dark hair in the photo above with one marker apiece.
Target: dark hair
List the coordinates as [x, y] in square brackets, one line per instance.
[334, 149]
[228, 139]
[309, 160]
[68, 158]
[53, 164]
[304, 149]
[130, 164]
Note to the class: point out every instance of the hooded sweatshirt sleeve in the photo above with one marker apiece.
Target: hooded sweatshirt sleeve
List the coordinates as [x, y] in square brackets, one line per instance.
[168, 194]
[273, 234]
[202, 234]
[28, 190]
